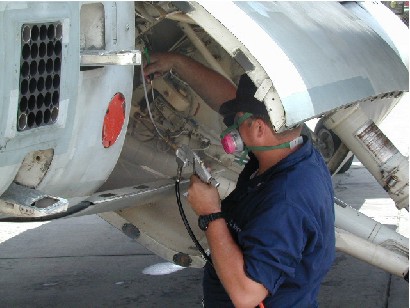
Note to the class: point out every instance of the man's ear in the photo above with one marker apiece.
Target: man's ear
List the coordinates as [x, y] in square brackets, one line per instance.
[260, 127]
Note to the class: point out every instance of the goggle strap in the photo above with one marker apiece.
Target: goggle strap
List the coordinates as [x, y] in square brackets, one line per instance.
[244, 117]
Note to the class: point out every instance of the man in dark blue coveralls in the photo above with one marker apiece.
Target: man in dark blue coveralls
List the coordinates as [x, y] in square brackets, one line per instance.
[272, 239]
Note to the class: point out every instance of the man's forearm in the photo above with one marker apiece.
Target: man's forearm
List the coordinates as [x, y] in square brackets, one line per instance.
[214, 88]
[229, 265]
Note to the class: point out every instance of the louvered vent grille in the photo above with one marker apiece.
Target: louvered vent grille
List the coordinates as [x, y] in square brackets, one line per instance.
[40, 71]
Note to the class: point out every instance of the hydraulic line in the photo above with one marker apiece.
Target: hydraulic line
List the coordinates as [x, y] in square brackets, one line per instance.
[185, 220]
[376, 152]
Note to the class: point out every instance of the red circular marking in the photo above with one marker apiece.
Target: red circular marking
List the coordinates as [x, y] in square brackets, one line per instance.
[113, 120]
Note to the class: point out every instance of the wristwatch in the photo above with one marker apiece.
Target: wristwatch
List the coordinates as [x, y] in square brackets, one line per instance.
[204, 220]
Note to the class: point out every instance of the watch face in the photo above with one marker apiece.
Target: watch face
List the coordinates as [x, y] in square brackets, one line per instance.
[203, 222]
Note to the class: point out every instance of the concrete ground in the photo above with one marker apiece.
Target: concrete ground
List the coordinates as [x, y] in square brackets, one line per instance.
[85, 262]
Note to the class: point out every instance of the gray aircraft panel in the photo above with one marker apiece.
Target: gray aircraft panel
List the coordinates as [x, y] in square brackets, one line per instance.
[340, 59]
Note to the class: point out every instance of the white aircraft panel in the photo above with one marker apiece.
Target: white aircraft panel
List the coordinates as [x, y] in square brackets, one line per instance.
[338, 57]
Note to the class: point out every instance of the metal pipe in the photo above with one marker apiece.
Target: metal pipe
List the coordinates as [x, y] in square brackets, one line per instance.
[181, 17]
[373, 254]
[383, 160]
[368, 229]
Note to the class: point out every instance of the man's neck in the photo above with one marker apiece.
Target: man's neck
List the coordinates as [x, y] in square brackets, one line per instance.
[268, 159]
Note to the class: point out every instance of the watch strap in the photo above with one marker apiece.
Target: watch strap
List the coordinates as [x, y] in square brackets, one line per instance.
[204, 220]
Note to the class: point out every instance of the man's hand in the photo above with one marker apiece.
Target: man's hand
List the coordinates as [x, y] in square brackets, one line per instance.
[204, 198]
[160, 63]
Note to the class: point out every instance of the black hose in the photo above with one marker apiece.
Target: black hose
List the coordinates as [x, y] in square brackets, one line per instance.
[186, 223]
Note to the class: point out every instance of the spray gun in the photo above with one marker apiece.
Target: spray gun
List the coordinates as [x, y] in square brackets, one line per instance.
[186, 157]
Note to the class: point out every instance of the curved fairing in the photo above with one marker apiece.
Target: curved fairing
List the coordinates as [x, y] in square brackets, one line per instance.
[319, 55]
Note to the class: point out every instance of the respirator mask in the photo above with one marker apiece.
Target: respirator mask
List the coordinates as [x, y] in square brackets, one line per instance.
[232, 142]
[231, 139]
